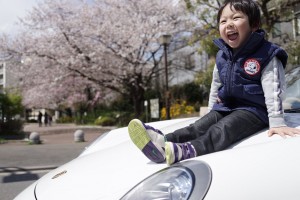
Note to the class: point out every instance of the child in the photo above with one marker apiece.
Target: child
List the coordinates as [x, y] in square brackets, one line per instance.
[245, 97]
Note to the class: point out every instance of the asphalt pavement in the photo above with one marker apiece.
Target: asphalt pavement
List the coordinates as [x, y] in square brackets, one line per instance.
[57, 146]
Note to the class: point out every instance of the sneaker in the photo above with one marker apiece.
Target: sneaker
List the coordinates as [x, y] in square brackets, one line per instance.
[176, 152]
[148, 139]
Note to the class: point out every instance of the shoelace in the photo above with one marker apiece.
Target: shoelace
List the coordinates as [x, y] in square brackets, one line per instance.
[150, 127]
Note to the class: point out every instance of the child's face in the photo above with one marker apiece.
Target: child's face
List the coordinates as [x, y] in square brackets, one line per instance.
[234, 27]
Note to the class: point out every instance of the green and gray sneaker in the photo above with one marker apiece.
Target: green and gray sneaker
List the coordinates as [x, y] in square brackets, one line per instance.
[149, 140]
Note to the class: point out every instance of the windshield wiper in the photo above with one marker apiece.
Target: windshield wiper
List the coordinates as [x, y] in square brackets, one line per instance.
[292, 110]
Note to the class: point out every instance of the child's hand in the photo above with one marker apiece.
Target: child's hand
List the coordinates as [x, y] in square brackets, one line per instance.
[284, 131]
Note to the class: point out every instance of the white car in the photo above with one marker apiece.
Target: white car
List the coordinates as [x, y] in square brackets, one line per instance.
[259, 167]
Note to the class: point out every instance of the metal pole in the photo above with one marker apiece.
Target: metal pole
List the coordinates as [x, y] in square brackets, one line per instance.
[167, 85]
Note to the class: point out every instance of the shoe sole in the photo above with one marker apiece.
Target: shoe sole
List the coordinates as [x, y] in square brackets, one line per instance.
[142, 140]
[169, 153]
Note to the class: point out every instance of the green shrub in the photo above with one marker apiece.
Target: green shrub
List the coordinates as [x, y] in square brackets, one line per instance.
[105, 121]
[124, 118]
[85, 119]
[2, 141]
[65, 119]
[11, 127]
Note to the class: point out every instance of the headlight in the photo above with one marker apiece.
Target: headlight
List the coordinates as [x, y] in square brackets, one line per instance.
[187, 180]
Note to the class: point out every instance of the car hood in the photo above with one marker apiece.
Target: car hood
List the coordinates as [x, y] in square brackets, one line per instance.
[106, 174]
[113, 165]
[107, 169]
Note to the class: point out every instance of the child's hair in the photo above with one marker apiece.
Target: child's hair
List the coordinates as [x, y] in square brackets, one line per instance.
[248, 7]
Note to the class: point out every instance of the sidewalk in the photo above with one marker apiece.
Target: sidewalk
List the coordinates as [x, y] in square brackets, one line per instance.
[57, 148]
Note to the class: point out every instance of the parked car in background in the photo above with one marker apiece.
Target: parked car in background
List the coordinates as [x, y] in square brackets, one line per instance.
[258, 167]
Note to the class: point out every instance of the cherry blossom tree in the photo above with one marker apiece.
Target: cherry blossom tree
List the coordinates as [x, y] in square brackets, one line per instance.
[107, 44]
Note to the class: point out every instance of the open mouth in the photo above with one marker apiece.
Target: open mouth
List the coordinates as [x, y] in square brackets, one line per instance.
[232, 36]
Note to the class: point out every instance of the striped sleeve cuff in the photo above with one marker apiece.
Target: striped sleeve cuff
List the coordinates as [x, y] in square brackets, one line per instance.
[276, 121]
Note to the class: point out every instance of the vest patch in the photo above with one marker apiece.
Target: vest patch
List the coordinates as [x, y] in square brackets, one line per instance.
[251, 66]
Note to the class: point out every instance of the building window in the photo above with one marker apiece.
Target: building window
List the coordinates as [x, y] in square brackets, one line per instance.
[297, 24]
[276, 32]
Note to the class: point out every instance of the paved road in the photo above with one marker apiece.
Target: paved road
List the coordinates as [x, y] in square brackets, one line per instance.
[21, 163]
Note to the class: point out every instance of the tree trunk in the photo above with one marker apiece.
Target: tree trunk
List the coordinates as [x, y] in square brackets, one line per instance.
[137, 95]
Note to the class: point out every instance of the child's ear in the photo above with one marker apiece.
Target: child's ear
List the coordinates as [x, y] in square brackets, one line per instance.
[255, 29]
[255, 26]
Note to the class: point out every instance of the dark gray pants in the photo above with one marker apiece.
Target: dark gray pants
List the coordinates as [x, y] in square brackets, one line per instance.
[218, 130]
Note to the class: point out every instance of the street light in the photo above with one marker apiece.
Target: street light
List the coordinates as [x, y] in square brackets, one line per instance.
[165, 40]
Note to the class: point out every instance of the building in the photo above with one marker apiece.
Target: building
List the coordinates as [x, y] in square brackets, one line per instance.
[7, 79]
[286, 32]
[184, 61]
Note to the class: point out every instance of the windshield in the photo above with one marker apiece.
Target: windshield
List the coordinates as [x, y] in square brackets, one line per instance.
[292, 101]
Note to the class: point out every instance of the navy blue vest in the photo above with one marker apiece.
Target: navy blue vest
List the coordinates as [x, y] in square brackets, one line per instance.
[240, 74]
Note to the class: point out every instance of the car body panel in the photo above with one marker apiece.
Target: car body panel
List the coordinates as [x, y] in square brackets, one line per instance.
[268, 171]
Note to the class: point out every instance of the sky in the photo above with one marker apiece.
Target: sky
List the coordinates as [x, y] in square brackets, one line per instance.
[10, 10]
